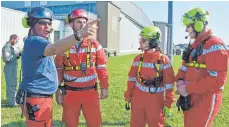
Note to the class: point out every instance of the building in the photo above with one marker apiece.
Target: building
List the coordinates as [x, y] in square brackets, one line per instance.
[12, 24]
[119, 26]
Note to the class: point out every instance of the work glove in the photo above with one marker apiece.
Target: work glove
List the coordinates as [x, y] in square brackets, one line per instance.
[166, 112]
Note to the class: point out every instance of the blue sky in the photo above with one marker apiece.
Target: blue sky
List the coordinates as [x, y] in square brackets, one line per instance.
[218, 21]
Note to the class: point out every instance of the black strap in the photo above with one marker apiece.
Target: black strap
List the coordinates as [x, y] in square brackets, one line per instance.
[199, 49]
[80, 88]
[37, 95]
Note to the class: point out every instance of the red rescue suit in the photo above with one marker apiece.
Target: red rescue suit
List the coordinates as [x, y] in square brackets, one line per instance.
[205, 79]
[80, 67]
[147, 103]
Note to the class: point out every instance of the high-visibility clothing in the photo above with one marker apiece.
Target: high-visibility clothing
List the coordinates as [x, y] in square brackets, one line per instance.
[146, 106]
[205, 84]
[42, 117]
[80, 67]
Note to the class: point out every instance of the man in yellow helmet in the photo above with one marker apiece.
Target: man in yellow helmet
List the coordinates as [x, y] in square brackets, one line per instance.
[203, 73]
[150, 76]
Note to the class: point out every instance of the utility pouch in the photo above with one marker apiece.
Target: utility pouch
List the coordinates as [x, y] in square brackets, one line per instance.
[184, 103]
[31, 110]
[20, 96]
[63, 90]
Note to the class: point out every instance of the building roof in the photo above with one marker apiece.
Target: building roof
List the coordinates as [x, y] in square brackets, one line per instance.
[133, 12]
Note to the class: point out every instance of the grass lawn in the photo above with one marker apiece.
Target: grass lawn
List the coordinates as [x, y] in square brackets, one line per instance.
[113, 111]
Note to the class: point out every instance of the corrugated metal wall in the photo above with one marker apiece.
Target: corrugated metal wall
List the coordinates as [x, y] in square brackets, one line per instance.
[11, 24]
[129, 35]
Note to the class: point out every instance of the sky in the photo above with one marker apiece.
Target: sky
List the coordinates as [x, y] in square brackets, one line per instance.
[218, 21]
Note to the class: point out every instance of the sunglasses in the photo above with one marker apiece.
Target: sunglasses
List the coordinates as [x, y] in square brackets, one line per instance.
[44, 22]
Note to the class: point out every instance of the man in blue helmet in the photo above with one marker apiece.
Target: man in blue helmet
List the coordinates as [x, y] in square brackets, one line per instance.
[39, 78]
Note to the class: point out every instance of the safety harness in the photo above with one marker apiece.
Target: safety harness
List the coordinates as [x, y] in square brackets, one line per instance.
[155, 82]
[199, 51]
[81, 67]
[184, 102]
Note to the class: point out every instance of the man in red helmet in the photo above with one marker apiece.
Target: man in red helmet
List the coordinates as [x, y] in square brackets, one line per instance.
[78, 68]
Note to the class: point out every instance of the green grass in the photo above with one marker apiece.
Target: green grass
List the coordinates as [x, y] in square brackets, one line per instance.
[113, 112]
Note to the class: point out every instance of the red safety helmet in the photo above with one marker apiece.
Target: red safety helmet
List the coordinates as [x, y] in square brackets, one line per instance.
[77, 13]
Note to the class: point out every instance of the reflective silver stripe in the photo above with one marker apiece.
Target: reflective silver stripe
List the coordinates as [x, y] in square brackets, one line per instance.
[146, 89]
[132, 79]
[221, 88]
[213, 73]
[99, 48]
[58, 68]
[168, 86]
[183, 68]
[144, 64]
[101, 66]
[166, 66]
[81, 50]
[211, 110]
[214, 48]
[81, 79]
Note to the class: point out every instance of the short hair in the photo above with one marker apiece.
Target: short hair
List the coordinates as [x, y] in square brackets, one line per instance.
[13, 36]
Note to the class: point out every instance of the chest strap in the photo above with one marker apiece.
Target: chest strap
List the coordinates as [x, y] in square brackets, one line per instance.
[196, 65]
[78, 67]
[156, 67]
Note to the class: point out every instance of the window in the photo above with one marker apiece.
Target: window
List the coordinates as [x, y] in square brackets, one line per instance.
[27, 3]
[43, 2]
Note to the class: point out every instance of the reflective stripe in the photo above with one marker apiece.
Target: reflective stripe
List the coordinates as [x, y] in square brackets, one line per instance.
[132, 79]
[58, 68]
[166, 66]
[221, 88]
[159, 89]
[82, 50]
[211, 110]
[214, 48]
[81, 79]
[144, 64]
[168, 86]
[213, 73]
[99, 48]
[101, 66]
[196, 65]
[183, 68]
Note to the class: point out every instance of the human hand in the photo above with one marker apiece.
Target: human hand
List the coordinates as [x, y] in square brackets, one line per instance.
[180, 83]
[59, 97]
[103, 93]
[89, 29]
[182, 90]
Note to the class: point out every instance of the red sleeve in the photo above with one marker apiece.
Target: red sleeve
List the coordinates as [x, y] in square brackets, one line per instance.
[168, 81]
[216, 71]
[59, 61]
[132, 75]
[101, 61]
[181, 72]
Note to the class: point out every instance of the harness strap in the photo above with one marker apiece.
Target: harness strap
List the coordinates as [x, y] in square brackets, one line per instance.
[77, 68]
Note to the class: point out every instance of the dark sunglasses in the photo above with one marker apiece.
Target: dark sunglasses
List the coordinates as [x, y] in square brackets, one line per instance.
[44, 22]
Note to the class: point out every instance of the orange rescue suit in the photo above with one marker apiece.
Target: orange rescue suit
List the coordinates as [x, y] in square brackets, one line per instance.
[69, 70]
[205, 79]
[145, 106]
